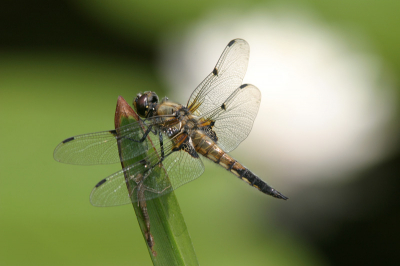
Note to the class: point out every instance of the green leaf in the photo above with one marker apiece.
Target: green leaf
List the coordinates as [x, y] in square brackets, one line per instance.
[171, 240]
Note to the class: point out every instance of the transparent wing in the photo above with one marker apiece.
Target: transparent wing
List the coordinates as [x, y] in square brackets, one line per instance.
[102, 147]
[151, 175]
[233, 120]
[93, 148]
[223, 80]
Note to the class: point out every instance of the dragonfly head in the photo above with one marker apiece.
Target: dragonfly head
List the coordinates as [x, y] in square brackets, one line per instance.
[145, 103]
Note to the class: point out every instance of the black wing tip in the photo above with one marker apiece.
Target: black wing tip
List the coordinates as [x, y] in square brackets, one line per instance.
[237, 40]
[101, 182]
[68, 140]
[243, 86]
[231, 42]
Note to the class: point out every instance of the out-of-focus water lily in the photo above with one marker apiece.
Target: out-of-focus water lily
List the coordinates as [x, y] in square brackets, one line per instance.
[326, 105]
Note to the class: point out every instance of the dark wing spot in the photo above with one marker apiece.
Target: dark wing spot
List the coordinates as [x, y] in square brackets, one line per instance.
[243, 86]
[231, 42]
[209, 131]
[101, 182]
[114, 132]
[223, 106]
[215, 71]
[187, 147]
[68, 140]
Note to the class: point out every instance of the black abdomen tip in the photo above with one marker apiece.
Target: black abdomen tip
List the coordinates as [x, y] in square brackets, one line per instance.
[278, 195]
[273, 192]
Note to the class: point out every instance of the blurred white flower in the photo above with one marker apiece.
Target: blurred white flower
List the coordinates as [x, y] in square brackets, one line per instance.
[325, 106]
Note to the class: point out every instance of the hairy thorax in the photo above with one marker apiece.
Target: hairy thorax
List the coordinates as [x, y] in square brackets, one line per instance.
[177, 119]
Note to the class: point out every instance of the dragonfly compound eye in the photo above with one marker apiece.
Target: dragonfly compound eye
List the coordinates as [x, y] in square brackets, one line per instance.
[144, 103]
[152, 97]
[141, 105]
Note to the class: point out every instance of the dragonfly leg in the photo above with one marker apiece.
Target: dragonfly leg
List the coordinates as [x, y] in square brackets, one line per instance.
[156, 191]
[160, 137]
[143, 137]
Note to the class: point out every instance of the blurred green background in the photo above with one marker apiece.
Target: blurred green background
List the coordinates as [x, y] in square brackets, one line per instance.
[62, 66]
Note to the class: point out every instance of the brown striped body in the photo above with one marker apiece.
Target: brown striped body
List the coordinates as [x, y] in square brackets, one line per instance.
[196, 136]
[205, 146]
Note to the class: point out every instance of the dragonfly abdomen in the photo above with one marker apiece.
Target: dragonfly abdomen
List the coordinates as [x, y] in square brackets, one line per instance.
[250, 178]
[208, 148]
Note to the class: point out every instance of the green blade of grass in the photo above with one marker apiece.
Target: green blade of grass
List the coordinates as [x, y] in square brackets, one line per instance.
[172, 244]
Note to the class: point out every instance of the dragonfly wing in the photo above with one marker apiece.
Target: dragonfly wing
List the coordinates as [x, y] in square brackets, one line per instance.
[161, 171]
[233, 120]
[182, 167]
[227, 75]
[168, 165]
[102, 147]
[111, 191]
[93, 148]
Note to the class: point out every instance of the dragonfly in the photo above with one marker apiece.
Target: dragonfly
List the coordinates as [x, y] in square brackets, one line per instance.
[163, 149]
